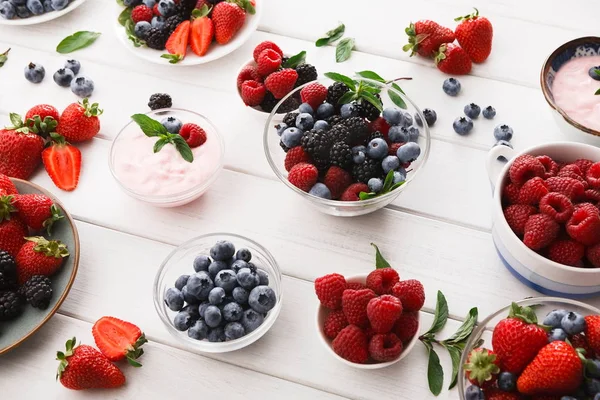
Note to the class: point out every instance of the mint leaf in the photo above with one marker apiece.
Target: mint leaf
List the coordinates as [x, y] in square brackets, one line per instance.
[343, 50]
[371, 75]
[398, 88]
[388, 182]
[160, 143]
[124, 16]
[347, 97]
[455, 354]
[76, 41]
[183, 148]
[380, 262]
[597, 92]
[397, 185]
[173, 58]
[441, 314]
[435, 373]
[465, 329]
[366, 196]
[129, 29]
[121, 3]
[296, 60]
[4, 57]
[373, 100]
[149, 126]
[396, 99]
[331, 36]
[342, 78]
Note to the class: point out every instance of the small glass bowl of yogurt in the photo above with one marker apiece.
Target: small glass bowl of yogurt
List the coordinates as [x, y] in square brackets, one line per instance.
[165, 178]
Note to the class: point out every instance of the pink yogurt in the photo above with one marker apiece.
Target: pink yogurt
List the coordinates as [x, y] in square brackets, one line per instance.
[573, 90]
[165, 173]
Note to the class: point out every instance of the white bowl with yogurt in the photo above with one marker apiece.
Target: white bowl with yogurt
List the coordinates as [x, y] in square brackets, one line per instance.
[165, 178]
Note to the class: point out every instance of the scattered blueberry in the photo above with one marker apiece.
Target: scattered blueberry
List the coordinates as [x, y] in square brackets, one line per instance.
[375, 185]
[174, 299]
[472, 110]
[73, 65]
[166, 7]
[58, 5]
[573, 323]
[201, 263]
[507, 381]
[182, 321]
[215, 267]
[377, 149]
[216, 335]
[216, 296]
[141, 29]
[212, 316]
[413, 133]
[181, 281]
[226, 280]
[462, 125]
[34, 73]
[409, 152]
[349, 110]
[199, 330]
[82, 86]
[262, 299]
[321, 125]
[489, 112]
[247, 278]
[251, 320]
[557, 334]
[240, 295]
[304, 122]
[238, 264]
[263, 277]
[292, 137]
[392, 116]
[594, 72]
[398, 134]
[399, 176]
[503, 132]
[320, 190]
[173, 125]
[305, 108]
[199, 285]
[234, 330]
[232, 312]
[7, 10]
[223, 249]
[474, 393]
[451, 86]
[63, 77]
[430, 117]
[158, 22]
[390, 163]
[325, 110]
[35, 6]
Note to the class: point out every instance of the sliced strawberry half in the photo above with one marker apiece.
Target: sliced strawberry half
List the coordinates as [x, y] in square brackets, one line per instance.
[62, 162]
[118, 339]
[201, 35]
[178, 43]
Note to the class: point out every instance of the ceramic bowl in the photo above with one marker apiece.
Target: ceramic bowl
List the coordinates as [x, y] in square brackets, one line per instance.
[532, 269]
[580, 47]
[322, 314]
[40, 19]
[15, 332]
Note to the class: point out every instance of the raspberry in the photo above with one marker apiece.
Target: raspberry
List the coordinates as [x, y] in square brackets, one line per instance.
[253, 93]
[155, 10]
[281, 82]
[540, 231]
[532, 191]
[579, 341]
[337, 180]
[410, 293]
[264, 46]
[593, 175]
[592, 195]
[584, 225]
[385, 348]
[380, 125]
[303, 176]
[142, 13]
[517, 216]
[382, 280]
[268, 61]
[334, 323]
[248, 73]
[329, 290]
[572, 188]
[550, 166]
[355, 286]
[383, 312]
[407, 326]
[558, 206]
[524, 168]
[351, 344]
[569, 170]
[193, 135]
[354, 304]
[351, 193]
[593, 255]
[393, 148]
[295, 156]
[583, 165]
[510, 194]
[313, 94]
[567, 252]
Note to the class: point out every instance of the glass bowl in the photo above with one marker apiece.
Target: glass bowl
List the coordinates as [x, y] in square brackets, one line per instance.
[276, 156]
[180, 262]
[212, 153]
[482, 335]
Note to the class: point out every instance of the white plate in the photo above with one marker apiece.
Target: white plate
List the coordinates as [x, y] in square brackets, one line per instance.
[39, 19]
[215, 52]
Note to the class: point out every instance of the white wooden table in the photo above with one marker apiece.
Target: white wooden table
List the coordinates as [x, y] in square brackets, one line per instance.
[438, 231]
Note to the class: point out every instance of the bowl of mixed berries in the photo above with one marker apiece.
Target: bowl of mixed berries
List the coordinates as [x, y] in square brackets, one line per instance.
[22, 12]
[271, 74]
[539, 348]
[352, 145]
[547, 218]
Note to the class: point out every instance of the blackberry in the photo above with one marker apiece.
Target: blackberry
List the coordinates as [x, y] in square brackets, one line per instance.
[269, 102]
[160, 100]
[368, 110]
[284, 147]
[341, 155]
[290, 119]
[306, 73]
[185, 8]
[358, 129]
[213, 2]
[340, 133]
[8, 271]
[335, 92]
[334, 120]
[37, 291]
[370, 168]
[317, 144]
[284, 60]
[6, 282]
[157, 38]
[290, 104]
[173, 22]
[11, 305]
[375, 135]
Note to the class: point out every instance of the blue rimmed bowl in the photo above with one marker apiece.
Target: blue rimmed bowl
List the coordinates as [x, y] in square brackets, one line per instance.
[580, 47]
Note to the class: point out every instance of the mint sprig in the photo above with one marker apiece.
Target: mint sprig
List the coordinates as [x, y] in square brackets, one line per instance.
[396, 99]
[153, 128]
[331, 36]
[388, 186]
[4, 57]
[343, 50]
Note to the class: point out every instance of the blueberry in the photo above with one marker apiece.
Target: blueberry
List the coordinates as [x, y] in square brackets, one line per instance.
[554, 318]
[573, 323]
[398, 134]
[413, 133]
[281, 128]
[34, 73]
[591, 386]
[489, 112]
[472, 110]
[409, 152]
[305, 108]
[596, 397]
[474, 393]
[375, 185]
[192, 309]
[320, 190]
[129, 3]
[325, 110]
[173, 125]
[462, 125]
[232, 312]
[247, 278]
[292, 137]
[182, 321]
[263, 277]
[7, 10]
[594, 72]
[238, 264]
[174, 299]
[262, 299]
[141, 29]
[226, 279]
[58, 5]
[234, 330]
[321, 125]
[63, 77]
[507, 381]
[189, 298]
[82, 86]
[149, 3]
[222, 250]
[451, 86]
[557, 334]
[216, 335]
[35, 6]
[503, 132]
[201, 263]
[212, 316]
[407, 120]
[392, 116]
[215, 267]
[166, 8]
[199, 285]
[73, 65]
[181, 281]
[430, 117]
[240, 295]
[17, 3]
[216, 296]
[388, 164]
[23, 12]
[158, 22]
[399, 176]
[305, 121]
[251, 320]
[349, 110]
[199, 330]
[359, 157]
[202, 308]
[377, 149]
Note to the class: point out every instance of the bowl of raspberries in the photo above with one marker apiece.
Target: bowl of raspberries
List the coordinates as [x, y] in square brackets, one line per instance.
[369, 321]
[270, 75]
[350, 147]
[547, 218]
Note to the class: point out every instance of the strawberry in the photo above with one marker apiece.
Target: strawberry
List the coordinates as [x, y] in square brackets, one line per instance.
[63, 163]
[579, 341]
[20, 150]
[42, 119]
[119, 339]
[296, 155]
[202, 32]
[557, 369]
[253, 93]
[178, 43]
[329, 290]
[6, 185]
[37, 211]
[248, 73]
[474, 34]
[383, 312]
[39, 256]
[313, 94]
[12, 235]
[281, 82]
[83, 367]
[425, 37]
[481, 368]
[43, 111]
[494, 393]
[264, 46]
[142, 13]
[194, 135]
[592, 332]
[517, 339]
[303, 176]
[451, 59]
[79, 121]
[228, 19]
[268, 61]
[334, 323]
[354, 304]
[351, 344]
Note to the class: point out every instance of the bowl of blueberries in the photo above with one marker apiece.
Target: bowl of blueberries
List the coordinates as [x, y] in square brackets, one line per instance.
[218, 292]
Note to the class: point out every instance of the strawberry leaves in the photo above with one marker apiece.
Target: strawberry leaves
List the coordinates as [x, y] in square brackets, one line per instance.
[4, 57]
[153, 128]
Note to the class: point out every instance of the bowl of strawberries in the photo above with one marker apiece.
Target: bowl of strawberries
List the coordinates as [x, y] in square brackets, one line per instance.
[539, 348]
[546, 218]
